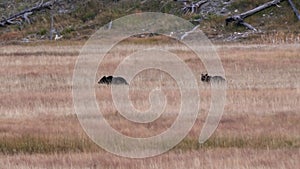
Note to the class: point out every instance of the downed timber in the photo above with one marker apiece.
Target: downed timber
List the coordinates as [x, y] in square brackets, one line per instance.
[294, 9]
[191, 7]
[239, 19]
[23, 15]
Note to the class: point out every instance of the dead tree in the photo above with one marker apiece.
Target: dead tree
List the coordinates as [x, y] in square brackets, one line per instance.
[239, 19]
[294, 9]
[191, 7]
[51, 24]
[54, 6]
[23, 15]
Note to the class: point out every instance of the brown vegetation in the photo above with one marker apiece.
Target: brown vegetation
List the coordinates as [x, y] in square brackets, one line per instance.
[259, 128]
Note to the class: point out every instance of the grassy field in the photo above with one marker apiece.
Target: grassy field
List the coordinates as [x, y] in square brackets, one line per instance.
[259, 129]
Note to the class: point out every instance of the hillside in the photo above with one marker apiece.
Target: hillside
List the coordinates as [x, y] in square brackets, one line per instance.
[77, 20]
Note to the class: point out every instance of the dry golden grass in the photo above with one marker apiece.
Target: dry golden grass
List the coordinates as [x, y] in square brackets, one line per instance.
[231, 158]
[260, 127]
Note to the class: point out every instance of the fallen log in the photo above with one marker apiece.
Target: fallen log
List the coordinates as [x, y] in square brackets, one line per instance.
[294, 9]
[191, 7]
[239, 19]
[23, 15]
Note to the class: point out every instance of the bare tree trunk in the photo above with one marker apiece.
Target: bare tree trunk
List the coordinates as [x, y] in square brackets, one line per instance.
[294, 9]
[259, 8]
[109, 25]
[191, 7]
[23, 15]
[51, 25]
[239, 19]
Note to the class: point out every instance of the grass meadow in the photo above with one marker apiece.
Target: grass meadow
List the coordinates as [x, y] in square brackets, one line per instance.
[260, 127]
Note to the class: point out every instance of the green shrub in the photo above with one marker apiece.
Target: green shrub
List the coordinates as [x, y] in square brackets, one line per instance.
[88, 16]
[68, 30]
[43, 32]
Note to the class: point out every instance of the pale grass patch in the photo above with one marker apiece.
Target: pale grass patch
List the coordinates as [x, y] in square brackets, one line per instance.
[259, 129]
[231, 158]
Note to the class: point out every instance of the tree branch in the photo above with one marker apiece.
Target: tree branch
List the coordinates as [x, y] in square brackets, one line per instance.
[259, 8]
[294, 9]
[191, 6]
[15, 19]
[239, 19]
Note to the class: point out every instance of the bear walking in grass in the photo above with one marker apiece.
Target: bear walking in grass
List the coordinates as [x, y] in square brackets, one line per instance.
[207, 78]
[112, 80]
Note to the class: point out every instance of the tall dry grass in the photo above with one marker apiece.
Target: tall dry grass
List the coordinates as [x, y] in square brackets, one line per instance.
[259, 128]
[232, 158]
